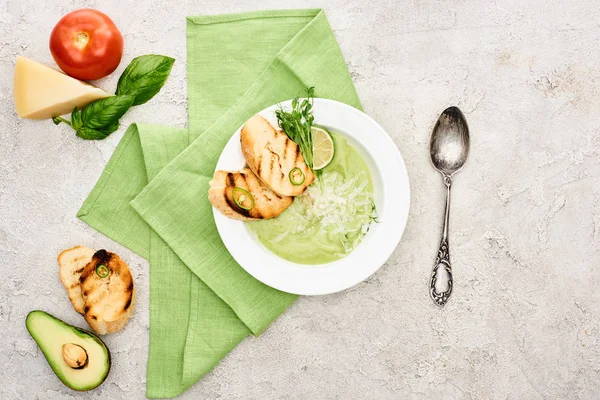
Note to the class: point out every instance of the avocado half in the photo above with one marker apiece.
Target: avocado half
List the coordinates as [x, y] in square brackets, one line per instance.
[78, 357]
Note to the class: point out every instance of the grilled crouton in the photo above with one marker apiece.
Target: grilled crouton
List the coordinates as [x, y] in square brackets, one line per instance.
[108, 292]
[262, 203]
[271, 155]
[71, 264]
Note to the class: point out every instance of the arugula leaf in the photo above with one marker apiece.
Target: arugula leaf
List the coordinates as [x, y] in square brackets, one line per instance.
[104, 112]
[144, 77]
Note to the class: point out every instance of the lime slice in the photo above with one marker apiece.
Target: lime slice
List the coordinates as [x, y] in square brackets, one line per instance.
[323, 148]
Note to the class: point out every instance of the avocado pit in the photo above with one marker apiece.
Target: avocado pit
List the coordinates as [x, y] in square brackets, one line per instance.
[74, 355]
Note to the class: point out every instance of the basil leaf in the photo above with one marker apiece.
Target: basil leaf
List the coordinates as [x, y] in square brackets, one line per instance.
[110, 129]
[91, 134]
[105, 112]
[76, 120]
[144, 77]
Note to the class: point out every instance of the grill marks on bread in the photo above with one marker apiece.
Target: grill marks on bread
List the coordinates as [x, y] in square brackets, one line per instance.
[108, 301]
[267, 204]
[271, 155]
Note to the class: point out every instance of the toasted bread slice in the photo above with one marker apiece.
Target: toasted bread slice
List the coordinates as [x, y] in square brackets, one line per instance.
[109, 300]
[71, 264]
[267, 203]
[271, 155]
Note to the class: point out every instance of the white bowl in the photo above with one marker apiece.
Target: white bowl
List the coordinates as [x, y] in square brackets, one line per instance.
[391, 194]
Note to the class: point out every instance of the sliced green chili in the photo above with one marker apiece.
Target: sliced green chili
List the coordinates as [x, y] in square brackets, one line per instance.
[102, 271]
[297, 176]
[242, 197]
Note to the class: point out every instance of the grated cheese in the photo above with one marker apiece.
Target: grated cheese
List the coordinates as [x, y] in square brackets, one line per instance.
[340, 207]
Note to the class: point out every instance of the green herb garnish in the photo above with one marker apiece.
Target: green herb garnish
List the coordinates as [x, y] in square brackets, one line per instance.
[141, 80]
[297, 124]
[374, 214]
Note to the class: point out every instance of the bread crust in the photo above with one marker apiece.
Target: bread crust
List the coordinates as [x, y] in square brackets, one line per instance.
[71, 264]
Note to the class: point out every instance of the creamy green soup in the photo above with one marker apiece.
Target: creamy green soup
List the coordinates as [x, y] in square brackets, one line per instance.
[330, 218]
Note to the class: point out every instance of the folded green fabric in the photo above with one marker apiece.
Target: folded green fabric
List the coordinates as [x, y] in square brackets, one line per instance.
[152, 196]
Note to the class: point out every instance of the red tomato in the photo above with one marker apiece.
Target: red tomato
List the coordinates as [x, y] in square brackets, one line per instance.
[86, 44]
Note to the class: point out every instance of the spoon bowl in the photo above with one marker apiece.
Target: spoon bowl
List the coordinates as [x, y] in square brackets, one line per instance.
[450, 142]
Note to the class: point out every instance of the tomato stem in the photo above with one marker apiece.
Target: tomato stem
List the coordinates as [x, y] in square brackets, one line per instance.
[81, 39]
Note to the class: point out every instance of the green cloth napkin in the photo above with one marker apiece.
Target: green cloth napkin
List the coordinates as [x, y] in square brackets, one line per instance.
[152, 196]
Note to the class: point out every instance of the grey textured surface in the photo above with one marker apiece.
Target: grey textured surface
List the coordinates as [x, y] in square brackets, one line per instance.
[525, 225]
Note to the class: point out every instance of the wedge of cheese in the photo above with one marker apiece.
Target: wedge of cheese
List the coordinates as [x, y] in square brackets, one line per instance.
[42, 92]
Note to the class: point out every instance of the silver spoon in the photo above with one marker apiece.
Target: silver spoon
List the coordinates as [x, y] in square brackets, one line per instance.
[449, 150]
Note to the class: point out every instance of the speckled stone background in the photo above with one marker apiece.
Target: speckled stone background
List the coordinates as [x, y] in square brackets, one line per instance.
[525, 225]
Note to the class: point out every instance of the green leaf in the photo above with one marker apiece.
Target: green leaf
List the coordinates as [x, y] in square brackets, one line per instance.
[105, 112]
[144, 77]
[91, 134]
[110, 129]
[76, 120]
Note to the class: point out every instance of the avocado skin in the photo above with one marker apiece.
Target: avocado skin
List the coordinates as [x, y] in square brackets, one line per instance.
[79, 332]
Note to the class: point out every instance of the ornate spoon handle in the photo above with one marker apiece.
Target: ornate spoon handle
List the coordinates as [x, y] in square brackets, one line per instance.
[440, 287]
